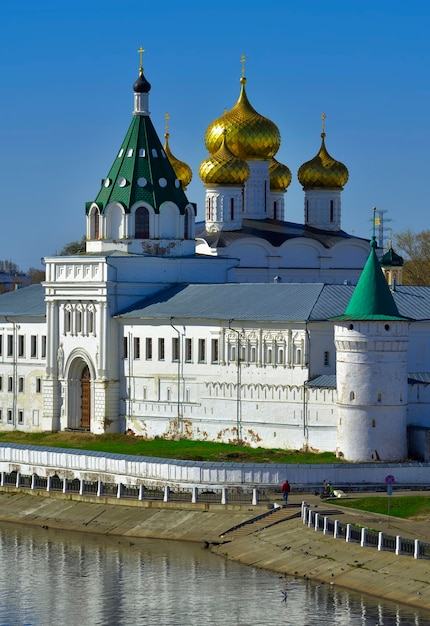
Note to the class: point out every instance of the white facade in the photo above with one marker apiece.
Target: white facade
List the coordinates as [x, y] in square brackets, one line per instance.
[253, 361]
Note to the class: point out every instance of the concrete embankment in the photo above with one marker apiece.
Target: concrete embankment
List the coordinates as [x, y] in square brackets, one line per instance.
[288, 547]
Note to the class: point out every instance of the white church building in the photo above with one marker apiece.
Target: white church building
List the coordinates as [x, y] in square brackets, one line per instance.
[246, 327]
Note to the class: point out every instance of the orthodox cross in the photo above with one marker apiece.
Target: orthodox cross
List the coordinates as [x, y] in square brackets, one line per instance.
[323, 116]
[141, 51]
[243, 61]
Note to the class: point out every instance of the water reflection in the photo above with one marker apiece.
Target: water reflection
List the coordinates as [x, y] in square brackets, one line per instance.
[51, 577]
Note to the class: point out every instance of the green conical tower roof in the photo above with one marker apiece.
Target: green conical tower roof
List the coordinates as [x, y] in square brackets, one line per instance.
[141, 170]
[372, 298]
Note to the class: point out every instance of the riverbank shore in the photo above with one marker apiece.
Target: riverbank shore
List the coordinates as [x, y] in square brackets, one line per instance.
[289, 548]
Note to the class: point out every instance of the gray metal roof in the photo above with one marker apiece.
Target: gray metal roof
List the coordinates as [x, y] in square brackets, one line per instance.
[325, 381]
[275, 232]
[238, 301]
[267, 302]
[419, 377]
[24, 302]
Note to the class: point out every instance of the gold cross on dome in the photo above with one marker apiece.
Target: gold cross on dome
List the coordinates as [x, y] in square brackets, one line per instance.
[141, 51]
[243, 61]
[323, 116]
[167, 118]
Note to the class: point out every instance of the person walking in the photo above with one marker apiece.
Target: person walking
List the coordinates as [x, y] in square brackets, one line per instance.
[285, 489]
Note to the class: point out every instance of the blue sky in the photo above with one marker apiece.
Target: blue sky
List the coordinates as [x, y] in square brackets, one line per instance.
[66, 100]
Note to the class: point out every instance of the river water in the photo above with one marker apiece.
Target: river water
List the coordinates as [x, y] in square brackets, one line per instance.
[50, 577]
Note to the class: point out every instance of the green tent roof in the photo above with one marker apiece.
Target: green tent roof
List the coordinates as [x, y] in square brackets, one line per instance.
[372, 298]
[141, 172]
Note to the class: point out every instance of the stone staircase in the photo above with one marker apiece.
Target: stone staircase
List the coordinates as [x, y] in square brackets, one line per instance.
[270, 518]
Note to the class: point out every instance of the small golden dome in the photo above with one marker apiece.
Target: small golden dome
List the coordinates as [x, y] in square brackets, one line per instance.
[250, 136]
[223, 167]
[280, 175]
[323, 172]
[182, 170]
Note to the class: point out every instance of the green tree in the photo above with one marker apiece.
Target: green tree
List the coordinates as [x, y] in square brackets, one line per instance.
[74, 247]
[36, 275]
[415, 247]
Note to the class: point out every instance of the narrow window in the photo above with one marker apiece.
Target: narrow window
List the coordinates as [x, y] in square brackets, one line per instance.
[137, 348]
[352, 396]
[161, 350]
[1, 345]
[10, 345]
[379, 397]
[307, 211]
[168, 394]
[188, 350]
[326, 357]
[331, 211]
[141, 221]
[148, 348]
[96, 224]
[144, 393]
[232, 209]
[373, 423]
[10, 383]
[79, 322]
[175, 349]
[20, 417]
[124, 348]
[33, 346]
[21, 384]
[1, 383]
[68, 321]
[43, 348]
[209, 211]
[275, 210]
[1, 416]
[187, 225]
[215, 353]
[9, 416]
[202, 350]
[38, 385]
[91, 321]
[20, 345]
[269, 355]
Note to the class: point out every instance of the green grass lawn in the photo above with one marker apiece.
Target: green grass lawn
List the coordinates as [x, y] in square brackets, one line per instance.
[182, 449]
[406, 507]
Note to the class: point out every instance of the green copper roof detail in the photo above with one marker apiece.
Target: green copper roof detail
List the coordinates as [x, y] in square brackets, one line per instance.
[372, 298]
[391, 259]
[141, 172]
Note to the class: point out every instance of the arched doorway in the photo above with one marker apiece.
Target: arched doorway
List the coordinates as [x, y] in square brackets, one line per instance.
[79, 392]
[85, 398]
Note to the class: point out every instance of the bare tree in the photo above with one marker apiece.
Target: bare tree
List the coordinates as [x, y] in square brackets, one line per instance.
[415, 247]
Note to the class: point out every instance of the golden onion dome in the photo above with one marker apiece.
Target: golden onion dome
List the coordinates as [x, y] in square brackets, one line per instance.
[250, 136]
[182, 171]
[223, 167]
[323, 172]
[280, 175]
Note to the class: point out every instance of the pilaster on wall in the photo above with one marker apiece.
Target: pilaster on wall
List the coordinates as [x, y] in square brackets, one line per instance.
[106, 416]
[52, 403]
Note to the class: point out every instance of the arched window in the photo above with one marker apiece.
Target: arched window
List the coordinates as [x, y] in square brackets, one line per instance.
[187, 229]
[96, 224]
[141, 219]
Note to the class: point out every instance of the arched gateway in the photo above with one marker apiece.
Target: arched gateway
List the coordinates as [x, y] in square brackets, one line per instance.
[79, 395]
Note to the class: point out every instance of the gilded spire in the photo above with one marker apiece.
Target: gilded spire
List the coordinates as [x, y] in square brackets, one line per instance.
[323, 171]
[250, 136]
[182, 170]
